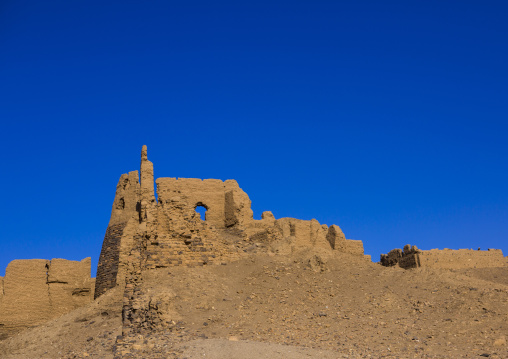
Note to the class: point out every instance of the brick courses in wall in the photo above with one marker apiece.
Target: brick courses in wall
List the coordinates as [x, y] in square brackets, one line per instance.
[146, 234]
[36, 290]
[173, 234]
[107, 269]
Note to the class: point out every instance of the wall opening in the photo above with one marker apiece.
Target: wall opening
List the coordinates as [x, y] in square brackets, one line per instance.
[201, 210]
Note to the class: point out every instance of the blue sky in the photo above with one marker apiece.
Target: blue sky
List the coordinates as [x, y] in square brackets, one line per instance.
[387, 118]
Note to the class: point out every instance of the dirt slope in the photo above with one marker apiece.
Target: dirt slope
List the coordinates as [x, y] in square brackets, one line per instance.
[309, 304]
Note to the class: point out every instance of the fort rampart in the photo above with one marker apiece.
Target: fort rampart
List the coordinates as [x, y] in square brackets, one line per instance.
[36, 290]
[412, 257]
[169, 232]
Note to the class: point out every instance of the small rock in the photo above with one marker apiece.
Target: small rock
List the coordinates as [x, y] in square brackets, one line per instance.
[233, 339]
[500, 342]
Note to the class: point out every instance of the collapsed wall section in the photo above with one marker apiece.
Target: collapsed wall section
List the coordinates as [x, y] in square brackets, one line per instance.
[304, 233]
[175, 233]
[193, 192]
[300, 234]
[338, 241]
[226, 204]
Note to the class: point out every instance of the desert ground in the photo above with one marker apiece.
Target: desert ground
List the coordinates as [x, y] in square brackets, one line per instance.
[308, 304]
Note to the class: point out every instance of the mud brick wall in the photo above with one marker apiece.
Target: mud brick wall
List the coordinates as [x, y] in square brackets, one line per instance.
[107, 268]
[411, 257]
[36, 290]
[179, 237]
[462, 258]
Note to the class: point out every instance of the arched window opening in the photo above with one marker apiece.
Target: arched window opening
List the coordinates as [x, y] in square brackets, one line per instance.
[201, 210]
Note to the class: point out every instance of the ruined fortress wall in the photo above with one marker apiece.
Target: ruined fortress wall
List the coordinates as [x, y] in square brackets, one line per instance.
[127, 196]
[36, 290]
[208, 193]
[70, 285]
[226, 203]
[338, 241]
[305, 233]
[412, 257]
[353, 246]
[107, 269]
[168, 232]
[237, 209]
[126, 206]
[462, 258]
[26, 299]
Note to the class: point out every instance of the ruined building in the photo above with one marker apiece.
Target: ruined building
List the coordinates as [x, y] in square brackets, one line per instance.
[152, 229]
[146, 233]
[412, 257]
[169, 232]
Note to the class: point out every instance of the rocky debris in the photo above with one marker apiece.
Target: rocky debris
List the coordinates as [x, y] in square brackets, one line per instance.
[278, 305]
[355, 308]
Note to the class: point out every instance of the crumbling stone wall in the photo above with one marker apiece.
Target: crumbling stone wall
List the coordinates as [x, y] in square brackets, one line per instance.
[412, 257]
[338, 241]
[305, 233]
[36, 290]
[225, 202]
[172, 233]
[117, 240]
[109, 259]
[146, 234]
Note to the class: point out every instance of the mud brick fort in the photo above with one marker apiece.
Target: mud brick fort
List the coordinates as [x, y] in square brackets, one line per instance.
[158, 227]
[169, 232]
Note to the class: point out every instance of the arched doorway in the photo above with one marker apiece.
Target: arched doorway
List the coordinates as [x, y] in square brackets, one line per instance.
[201, 210]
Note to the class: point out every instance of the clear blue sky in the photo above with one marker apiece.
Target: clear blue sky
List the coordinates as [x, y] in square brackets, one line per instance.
[388, 118]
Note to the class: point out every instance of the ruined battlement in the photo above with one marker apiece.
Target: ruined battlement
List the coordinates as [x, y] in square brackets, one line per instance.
[36, 290]
[169, 232]
[412, 257]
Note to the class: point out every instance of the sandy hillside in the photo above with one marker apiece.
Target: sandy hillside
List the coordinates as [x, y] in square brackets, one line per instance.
[306, 305]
